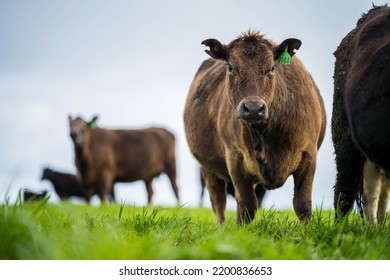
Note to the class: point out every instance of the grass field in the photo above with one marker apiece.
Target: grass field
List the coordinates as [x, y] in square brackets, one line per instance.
[64, 231]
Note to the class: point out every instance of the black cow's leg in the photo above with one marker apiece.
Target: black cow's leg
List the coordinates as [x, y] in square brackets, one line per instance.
[217, 191]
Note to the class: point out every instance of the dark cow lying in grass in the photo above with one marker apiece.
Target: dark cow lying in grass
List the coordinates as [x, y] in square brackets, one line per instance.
[65, 185]
[361, 115]
[31, 196]
[259, 191]
[104, 156]
[250, 120]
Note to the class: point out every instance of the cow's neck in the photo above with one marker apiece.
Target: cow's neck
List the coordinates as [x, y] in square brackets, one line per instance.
[257, 138]
[81, 158]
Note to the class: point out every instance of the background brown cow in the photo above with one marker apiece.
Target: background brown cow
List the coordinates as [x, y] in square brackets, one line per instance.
[361, 110]
[104, 156]
[249, 120]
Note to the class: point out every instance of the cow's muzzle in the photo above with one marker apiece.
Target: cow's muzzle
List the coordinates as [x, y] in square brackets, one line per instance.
[77, 139]
[252, 111]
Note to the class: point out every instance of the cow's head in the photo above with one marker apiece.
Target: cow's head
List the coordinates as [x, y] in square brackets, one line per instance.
[251, 62]
[78, 129]
[46, 173]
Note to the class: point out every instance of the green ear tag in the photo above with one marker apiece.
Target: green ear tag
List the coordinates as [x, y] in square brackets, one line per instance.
[93, 124]
[285, 57]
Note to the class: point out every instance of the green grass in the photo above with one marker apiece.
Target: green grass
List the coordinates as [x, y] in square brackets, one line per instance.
[67, 231]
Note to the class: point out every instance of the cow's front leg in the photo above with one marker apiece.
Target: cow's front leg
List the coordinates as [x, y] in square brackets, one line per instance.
[105, 185]
[303, 186]
[244, 192]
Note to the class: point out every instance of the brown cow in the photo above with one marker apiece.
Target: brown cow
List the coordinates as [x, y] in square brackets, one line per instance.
[104, 156]
[361, 109]
[250, 120]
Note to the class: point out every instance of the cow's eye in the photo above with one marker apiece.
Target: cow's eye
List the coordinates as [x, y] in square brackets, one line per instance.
[271, 71]
[230, 68]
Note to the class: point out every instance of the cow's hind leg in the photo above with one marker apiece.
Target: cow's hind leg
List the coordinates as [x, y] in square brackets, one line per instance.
[149, 189]
[371, 191]
[383, 198]
[171, 173]
[260, 193]
[217, 191]
[112, 195]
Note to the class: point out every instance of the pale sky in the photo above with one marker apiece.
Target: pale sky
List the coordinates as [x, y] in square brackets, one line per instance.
[132, 62]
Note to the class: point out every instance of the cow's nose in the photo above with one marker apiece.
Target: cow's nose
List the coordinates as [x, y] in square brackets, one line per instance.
[253, 107]
[252, 111]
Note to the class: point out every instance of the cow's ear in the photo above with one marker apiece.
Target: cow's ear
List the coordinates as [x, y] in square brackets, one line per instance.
[93, 123]
[216, 49]
[286, 50]
[69, 118]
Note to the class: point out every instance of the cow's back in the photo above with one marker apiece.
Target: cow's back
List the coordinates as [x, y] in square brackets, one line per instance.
[134, 154]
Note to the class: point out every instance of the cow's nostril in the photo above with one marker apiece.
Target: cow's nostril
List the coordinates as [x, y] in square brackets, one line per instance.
[246, 109]
[261, 107]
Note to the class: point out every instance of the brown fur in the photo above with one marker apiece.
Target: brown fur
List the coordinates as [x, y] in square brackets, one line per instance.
[104, 156]
[360, 118]
[264, 148]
